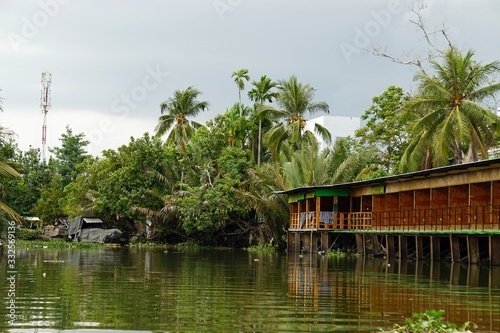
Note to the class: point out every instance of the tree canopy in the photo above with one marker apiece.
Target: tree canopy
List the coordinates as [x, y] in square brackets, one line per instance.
[218, 183]
[449, 123]
[175, 113]
[295, 100]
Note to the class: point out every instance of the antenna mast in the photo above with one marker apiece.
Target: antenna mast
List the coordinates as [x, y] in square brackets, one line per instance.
[45, 105]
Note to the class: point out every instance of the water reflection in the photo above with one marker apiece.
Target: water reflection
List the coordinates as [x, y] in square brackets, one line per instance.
[118, 290]
[378, 291]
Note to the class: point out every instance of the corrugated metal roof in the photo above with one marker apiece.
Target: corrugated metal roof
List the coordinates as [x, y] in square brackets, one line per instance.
[92, 220]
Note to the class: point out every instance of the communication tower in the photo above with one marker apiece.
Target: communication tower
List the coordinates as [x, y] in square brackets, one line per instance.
[45, 105]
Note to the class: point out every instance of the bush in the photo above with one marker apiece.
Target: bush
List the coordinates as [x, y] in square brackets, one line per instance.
[266, 248]
[28, 234]
[335, 254]
[430, 322]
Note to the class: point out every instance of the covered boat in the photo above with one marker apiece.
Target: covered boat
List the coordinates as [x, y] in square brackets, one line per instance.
[90, 229]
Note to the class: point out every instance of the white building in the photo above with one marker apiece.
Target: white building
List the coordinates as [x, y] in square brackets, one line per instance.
[339, 127]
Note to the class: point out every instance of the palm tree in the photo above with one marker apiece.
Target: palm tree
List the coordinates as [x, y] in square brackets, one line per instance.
[298, 168]
[240, 76]
[7, 169]
[350, 161]
[259, 191]
[295, 99]
[450, 124]
[260, 93]
[175, 111]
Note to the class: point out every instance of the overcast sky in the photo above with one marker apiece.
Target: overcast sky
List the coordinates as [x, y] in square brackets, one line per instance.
[113, 62]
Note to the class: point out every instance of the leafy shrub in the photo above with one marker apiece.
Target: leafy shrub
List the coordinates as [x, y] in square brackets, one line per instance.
[266, 248]
[430, 322]
[335, 254]
[28, 234]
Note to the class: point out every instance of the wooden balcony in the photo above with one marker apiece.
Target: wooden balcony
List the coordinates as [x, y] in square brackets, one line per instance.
[466, 218]
[330, 220]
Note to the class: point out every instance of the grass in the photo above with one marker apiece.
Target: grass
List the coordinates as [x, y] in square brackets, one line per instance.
[56, 244]
[335, 254]
[169, 247]
[266, 248]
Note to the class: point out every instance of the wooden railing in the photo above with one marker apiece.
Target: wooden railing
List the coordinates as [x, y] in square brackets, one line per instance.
[338, 221]
[476, 218]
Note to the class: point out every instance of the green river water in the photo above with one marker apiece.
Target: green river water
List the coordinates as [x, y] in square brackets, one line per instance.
[224, 290]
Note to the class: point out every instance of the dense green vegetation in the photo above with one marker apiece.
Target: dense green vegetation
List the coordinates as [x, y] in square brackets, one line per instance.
[216, 183]
[431, 321]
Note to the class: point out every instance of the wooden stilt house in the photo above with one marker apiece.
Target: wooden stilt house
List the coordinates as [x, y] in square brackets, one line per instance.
[452, 212]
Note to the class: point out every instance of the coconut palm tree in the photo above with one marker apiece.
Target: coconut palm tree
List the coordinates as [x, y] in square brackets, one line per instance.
[175, 111]
[261, 93]
[295, 99]
[7, 169]
[451, 125]
[240, 76]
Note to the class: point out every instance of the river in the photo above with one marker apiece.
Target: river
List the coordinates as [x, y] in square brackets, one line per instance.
[226, 290]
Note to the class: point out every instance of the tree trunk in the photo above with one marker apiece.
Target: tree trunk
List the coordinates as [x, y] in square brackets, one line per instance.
[259, 145]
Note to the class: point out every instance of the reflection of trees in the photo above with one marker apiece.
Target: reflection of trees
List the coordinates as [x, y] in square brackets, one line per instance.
[233, 291]
[130, 289]
[382, 292]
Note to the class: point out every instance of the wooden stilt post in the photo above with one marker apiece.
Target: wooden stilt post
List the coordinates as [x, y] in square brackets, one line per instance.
[296, 243]
[473, 249]
[435, 271]
[435, 248]
[419, 268]
[494, 250]
[318, 211]
[314, 242]
[390, 246]
[455, 274]
[403, 267]
[403, 246]
[494, 276]
[360, 244]
[306, 242]
[325, 243]
[419, 247]
[455, 248]
[473, 276]
[376, 245]
[290, 241]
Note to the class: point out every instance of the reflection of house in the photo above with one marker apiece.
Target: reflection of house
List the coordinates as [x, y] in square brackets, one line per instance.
[451, 210]
[380, 293]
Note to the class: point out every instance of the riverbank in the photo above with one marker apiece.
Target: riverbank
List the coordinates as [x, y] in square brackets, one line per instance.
[61, 244]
